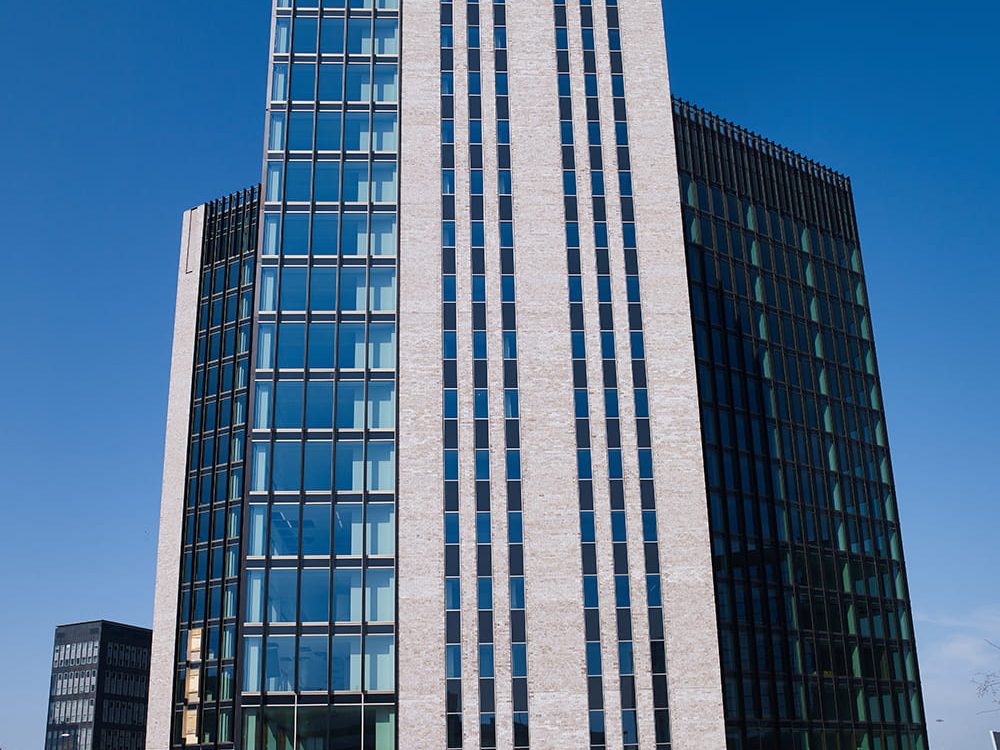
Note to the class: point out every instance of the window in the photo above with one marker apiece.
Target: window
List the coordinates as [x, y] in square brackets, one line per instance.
[275, 178]
[276, 132]
[359, 83]
[359, 36]
[381, 466]
[383, 234]
[321, 345]
[327, 182]
[381, 529]
[380, 662]
[252, 663]
[351, 348]
[386, 84]
[298, 179]
[268, 296]
[355, 182]
[331, 86]
[381, 405]
[325, 239]
[356, 234]
[288, 404]
[279, 83]
[282, 595]
[327, 130]
[285, 530]
[282, 35]
[350, 467]
[384, 187]
[347, 529]
[280, 663]
[346, 663]
[313, 724]
[272, 230]
[323, 288]
[350, 405]
[265, 346]
[357, 132]
[382, 346]
[385, 131]
[313, 663]
[353, 289]
[386, 36]
[332, 36]
[295, 237]
[380, 727]
[347, 595]
[286, 468]
[315, 604]
[318, 467]
[380, 595]
[257, 530]
[305, 35]
[300, 132]
[319, 405]
[383, 289]
[260, 471]
[303, 82]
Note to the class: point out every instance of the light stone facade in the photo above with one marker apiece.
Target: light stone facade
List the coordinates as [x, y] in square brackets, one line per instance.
[557, 696]
[693, 666]
[421, 536]
[556, 667]
[168, 559]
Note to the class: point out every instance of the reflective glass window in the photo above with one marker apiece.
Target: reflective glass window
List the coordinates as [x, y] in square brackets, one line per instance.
[313, 664]
[280, 665]
[347, 595]
[346, 663]
[347, 529]
[381, 529]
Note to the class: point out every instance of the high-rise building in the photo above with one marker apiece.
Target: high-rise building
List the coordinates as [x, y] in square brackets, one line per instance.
[469, 444]
[816, 635]
[99, 688]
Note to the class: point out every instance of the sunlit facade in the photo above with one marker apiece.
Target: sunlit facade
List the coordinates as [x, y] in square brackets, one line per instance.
[438, 468]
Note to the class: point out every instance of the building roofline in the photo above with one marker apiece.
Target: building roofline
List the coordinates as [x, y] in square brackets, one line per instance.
[104, 622]
[759, 143]
[234, 200]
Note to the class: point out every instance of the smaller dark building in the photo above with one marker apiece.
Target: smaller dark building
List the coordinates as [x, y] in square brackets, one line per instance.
[98, 694]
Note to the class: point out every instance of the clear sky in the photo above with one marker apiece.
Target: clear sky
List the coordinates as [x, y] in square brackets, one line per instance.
[116, 116]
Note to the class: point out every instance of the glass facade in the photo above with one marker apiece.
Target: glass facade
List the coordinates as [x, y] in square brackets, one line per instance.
[99, 688]
[816, 634]
[205, 675]
[318, 614]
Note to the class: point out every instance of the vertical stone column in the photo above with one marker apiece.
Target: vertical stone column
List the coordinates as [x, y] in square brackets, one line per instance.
[168, 558]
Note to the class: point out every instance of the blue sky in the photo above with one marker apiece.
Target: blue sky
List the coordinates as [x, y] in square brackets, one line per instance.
[131, 112]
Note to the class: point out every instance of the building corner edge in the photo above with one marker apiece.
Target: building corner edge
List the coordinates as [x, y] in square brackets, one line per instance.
[168, 557]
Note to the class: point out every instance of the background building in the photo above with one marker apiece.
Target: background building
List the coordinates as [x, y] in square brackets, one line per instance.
[100, 681]
[460, 452]
[996, 740]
